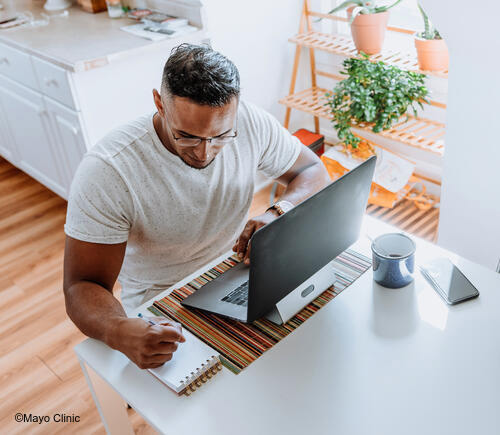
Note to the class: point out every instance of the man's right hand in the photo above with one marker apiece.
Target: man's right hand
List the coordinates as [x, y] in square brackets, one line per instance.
[90, 272]
[148, 346]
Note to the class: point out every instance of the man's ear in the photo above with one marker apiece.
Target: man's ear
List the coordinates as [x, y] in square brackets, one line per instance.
[158, 102]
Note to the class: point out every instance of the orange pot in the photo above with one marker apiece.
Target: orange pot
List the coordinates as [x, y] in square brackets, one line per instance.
[432, 54]
[368, 31]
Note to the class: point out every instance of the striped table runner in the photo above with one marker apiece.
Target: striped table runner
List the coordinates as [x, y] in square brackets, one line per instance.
[240, 344]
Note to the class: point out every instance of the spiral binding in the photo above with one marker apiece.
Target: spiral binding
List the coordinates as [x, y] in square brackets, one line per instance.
[196, 379]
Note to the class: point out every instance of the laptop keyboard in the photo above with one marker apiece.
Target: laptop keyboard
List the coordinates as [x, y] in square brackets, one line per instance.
[239, 296]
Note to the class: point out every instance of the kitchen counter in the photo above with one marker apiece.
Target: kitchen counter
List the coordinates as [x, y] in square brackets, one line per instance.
[81, 41]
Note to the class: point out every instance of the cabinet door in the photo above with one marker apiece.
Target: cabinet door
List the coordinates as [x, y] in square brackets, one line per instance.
[28, 122]
[68, 136]
[7, 145]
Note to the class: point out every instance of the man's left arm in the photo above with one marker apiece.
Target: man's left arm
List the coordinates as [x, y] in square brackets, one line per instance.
[306, 177]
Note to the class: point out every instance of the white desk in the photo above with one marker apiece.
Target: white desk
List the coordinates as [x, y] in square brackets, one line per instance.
[372, 361]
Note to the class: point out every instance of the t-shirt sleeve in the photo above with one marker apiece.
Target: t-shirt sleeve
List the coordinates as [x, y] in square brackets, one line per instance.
[100, 206]
[279, 149]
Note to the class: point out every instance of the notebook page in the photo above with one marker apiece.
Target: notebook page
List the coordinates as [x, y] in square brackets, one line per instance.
[186, 361]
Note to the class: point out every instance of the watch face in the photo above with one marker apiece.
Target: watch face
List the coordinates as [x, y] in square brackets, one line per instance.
[284, 205]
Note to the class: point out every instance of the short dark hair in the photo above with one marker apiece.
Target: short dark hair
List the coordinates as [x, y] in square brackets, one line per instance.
[201, 74]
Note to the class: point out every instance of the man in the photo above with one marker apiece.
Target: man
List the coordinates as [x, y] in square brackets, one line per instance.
[160, 197]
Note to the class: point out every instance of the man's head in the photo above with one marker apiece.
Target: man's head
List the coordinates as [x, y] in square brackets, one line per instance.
[199, 100]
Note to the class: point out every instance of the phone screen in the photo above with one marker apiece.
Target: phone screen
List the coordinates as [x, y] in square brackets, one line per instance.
[451, 282]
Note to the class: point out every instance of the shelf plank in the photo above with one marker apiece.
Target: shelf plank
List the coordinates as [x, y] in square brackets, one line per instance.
[344, 46]
[406, 216]
[422, 133]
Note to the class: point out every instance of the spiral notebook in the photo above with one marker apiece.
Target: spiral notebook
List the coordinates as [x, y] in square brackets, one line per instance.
[193, 363]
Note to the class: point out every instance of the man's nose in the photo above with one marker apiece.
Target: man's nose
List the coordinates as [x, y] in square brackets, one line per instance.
[201, 151]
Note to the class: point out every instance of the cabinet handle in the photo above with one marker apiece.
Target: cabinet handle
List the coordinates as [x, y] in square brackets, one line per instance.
[75, 131]
[4, 60]
[50, 82]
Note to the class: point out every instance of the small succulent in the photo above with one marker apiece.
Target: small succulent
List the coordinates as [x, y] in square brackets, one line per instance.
[430, 32]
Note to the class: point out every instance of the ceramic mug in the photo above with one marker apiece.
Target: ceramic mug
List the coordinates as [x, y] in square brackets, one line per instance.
[393, 260]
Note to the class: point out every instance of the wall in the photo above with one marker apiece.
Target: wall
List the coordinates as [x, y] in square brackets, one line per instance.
[470, 204]
[254, 35]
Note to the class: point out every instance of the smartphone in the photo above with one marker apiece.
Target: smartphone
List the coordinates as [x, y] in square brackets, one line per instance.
[449, 282]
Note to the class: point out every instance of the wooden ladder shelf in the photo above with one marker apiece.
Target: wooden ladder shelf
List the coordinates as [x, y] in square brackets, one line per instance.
[425, 134]
[421, 133]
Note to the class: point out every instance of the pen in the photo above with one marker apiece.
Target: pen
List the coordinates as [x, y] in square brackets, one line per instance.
[151, 322]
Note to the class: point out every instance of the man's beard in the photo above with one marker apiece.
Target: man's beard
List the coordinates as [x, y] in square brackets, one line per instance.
[198, 167]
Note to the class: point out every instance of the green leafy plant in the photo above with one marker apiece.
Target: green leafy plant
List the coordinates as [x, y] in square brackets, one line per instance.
[373, 93]
[362, 7]
[430, 32]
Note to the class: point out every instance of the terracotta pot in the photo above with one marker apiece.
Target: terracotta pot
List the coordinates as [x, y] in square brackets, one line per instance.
[432, 54]
[368, 31]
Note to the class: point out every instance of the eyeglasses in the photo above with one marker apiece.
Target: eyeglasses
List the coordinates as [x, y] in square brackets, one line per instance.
[220, 141]
[195, 141]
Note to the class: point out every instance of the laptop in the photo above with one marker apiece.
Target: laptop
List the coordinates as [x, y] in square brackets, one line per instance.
[290, 260]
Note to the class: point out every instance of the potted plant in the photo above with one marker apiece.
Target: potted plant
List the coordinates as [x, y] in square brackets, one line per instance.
[368, 23]
[373, 94]
[432, 51]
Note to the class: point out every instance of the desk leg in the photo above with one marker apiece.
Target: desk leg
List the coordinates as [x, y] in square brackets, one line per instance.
[109, 403]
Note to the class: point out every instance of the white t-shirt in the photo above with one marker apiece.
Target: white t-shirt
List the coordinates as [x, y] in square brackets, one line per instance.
[175, 218]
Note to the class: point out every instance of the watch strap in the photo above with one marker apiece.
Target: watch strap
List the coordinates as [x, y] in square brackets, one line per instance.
[281, 207]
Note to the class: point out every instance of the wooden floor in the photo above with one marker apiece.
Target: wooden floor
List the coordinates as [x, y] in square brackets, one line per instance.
[39, 372]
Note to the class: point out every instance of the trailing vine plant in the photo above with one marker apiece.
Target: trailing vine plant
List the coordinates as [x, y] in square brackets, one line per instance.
[373, 93]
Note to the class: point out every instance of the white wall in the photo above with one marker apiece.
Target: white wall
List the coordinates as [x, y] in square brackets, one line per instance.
[254, 35]
[470, 204]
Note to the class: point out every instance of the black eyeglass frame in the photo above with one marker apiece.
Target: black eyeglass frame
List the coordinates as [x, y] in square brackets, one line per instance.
[210, 140]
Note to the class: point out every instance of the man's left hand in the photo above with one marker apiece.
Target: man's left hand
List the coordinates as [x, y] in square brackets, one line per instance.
[242, 245]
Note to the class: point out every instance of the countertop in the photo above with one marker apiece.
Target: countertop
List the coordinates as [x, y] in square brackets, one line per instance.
[80, 41]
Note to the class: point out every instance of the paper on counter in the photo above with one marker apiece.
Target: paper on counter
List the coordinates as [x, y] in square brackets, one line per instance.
[139, 30]
[392, 172]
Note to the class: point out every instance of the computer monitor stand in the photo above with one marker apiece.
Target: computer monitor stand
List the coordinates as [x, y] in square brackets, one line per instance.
[297, 299]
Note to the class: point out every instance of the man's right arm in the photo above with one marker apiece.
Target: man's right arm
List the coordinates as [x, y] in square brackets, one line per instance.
[90, 272]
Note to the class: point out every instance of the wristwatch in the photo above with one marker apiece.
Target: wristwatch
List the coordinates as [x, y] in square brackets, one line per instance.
[281, 207]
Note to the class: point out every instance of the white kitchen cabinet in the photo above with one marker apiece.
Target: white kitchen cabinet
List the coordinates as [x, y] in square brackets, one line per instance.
[28, 123]
[18, 66]
[7, 146]
[68, 138]
[55, 82]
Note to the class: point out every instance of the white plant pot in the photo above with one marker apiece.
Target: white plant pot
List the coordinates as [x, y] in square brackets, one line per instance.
[57, 5]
